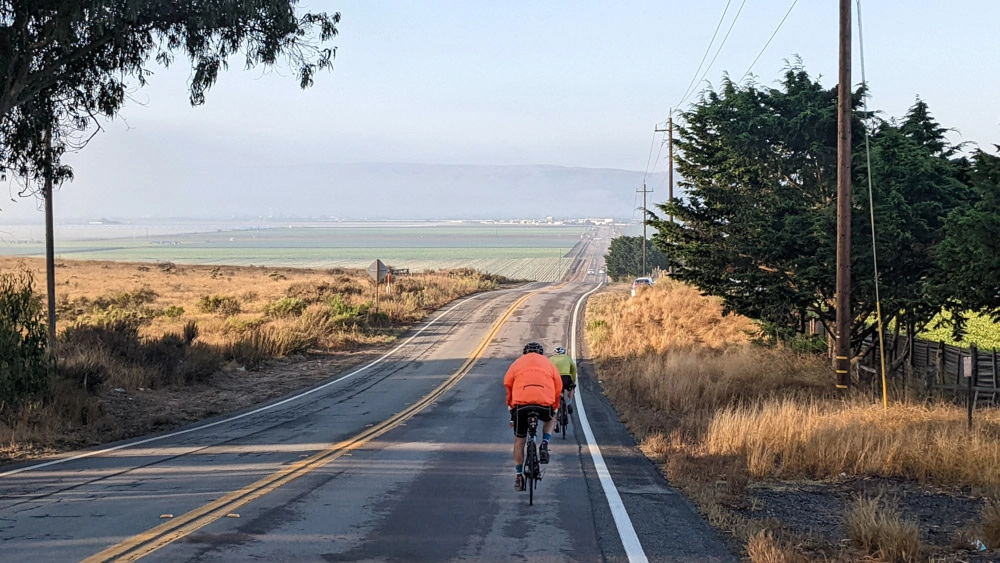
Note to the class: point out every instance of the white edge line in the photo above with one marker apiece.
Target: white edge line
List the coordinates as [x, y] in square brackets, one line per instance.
[630, 541]
[246, 414]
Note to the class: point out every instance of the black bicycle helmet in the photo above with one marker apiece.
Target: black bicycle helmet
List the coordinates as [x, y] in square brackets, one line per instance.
[560, 350]
[534, 347]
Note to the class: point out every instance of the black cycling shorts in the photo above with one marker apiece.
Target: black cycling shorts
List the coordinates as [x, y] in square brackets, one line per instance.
[568, 382]
[519, 416]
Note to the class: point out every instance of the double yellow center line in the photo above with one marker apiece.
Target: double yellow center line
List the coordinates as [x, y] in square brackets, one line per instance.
[143, 544]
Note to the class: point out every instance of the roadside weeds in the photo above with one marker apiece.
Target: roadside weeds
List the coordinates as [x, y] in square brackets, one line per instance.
[771, 455]
[148, 347]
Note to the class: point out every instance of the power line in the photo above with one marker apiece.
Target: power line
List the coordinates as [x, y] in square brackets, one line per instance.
[871, 209]
[705, 56]
[648, 158]
[794, 2]
[717, 51]
[657, 159]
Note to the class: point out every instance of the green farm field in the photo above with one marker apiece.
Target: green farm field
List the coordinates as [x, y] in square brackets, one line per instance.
[533, 252]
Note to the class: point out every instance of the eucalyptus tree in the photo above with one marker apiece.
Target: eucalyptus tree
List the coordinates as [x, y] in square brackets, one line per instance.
[66, 63]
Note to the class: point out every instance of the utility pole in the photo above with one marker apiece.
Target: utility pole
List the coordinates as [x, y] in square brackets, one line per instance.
[843, 348]
[670, 163]
[670, 159]
[644, 192]
[50, 260]
[670, 155]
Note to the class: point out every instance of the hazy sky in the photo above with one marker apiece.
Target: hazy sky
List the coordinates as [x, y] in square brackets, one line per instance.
[569, 83]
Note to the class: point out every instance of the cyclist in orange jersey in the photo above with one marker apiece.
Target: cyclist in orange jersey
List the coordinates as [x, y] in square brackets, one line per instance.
[533, 386]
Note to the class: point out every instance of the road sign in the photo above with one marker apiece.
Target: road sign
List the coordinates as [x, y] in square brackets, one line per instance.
[377, 270]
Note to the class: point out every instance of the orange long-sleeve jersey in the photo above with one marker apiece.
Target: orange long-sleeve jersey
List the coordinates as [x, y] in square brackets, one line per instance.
[532, 380]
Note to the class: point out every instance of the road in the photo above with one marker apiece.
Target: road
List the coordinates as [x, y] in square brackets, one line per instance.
[408, 458]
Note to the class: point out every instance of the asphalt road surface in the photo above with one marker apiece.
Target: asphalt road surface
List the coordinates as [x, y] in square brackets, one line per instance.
[406, 459]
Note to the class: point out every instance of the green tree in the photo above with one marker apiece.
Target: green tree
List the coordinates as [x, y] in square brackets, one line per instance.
[66, 63]
[969, 256]
[917, 183]
[624, 258]
[758, 227]
[25, 367]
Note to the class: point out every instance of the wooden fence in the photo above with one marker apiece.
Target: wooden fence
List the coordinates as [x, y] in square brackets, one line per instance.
[954, 372]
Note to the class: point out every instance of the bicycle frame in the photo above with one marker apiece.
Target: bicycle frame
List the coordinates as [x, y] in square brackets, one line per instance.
[563, 413]
[532, 468]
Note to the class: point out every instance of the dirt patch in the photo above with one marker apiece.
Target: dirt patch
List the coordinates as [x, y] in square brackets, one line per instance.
[813, 515]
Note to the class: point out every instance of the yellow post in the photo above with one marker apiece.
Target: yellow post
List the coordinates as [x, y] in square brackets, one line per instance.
[881, 351]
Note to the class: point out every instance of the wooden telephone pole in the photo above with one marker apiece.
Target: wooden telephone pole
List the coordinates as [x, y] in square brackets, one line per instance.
[644, 192]
[50, 260]
[843, 347]
[670, 162]
[670, 156]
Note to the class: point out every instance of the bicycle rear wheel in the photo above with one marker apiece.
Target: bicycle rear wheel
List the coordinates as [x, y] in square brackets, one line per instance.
[563, 422]
[531, 464]
[531, 491]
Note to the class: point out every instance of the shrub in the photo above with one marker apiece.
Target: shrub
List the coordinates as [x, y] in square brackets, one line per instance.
[25, 365]
[173, 311]
[251, 349]
[85, 368]
[200, 362]
[116, 354]
[286, 307]
[239, 326]
[130, 300]
[190, 332]
[764, 548]
[880, 530]
[225, 305]
[989, 523]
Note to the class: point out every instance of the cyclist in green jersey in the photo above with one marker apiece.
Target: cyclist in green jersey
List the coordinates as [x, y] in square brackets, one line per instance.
[567, 369]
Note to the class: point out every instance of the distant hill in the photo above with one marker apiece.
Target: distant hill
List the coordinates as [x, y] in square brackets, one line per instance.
[372, 191]
[467, 191]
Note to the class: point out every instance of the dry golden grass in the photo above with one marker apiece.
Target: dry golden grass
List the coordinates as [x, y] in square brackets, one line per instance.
[249, 295]
[764, 548]
[876, 527]
[255, 289]
[715, 409]
[788, 438]
[773, 408]
[668, 316]
[155, 327]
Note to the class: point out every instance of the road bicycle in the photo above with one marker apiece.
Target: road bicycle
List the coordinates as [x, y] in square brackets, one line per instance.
[562, 421]
[532, 466]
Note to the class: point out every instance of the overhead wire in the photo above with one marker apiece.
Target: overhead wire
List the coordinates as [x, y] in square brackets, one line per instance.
[717, 51]
[705, 56]
[781, 23]
[871, 210]
[650, 157]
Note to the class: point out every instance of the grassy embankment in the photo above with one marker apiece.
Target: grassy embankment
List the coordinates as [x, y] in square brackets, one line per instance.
[129, 330]
[719, 413]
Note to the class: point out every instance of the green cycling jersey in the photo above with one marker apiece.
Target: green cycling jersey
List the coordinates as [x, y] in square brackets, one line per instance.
[565, 365]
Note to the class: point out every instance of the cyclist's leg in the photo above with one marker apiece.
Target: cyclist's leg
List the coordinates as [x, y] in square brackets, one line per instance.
[520, 418]
[547, 416]
[567, 394]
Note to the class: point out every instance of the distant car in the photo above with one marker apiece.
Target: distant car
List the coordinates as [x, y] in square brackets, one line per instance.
[641, 283]
[590, 271]
[601, 271]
